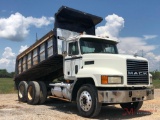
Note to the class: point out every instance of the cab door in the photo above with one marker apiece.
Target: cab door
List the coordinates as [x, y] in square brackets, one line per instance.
[72, 60]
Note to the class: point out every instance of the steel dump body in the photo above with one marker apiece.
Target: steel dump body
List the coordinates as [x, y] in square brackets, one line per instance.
[77, 21]
[29, 64]
[50, 67]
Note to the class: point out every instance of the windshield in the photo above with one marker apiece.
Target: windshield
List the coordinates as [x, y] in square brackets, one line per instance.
[93, 45]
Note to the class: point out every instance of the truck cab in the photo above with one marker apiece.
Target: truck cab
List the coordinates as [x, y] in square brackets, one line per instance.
[82, 46]
[117, 78]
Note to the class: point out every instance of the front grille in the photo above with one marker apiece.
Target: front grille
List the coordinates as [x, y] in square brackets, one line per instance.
[137, 72]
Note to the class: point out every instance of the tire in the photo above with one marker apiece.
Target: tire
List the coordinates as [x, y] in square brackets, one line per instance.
[22, 91]
[33, 93]
[43, 92]
[87, 101]
[133, 105]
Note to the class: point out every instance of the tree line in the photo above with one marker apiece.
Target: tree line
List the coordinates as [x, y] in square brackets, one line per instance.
[5, 74]
[155, 75]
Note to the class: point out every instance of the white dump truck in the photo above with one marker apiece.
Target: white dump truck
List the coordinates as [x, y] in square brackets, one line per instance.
[71, 63]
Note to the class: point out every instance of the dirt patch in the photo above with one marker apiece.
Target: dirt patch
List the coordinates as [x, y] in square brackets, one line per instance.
[53, 109]
[7, 106]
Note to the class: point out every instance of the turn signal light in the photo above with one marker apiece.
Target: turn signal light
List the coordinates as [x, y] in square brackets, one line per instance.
[104, 79]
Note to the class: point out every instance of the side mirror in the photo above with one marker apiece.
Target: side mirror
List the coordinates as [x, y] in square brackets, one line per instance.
[64, 53]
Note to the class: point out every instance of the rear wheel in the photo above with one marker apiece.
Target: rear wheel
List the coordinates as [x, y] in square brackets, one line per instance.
[22, 91]
[43, 92]
[87, 101]
[132, 106]
[33, 93]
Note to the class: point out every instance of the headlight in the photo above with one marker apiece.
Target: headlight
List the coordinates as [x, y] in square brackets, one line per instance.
[111, 79]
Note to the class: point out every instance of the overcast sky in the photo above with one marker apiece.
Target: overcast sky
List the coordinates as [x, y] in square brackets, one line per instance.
[136, 24]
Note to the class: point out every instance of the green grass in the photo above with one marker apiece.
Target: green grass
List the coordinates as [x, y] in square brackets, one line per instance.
[156, 84]
[6, 86]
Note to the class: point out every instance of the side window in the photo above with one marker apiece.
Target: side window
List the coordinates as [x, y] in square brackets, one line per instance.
[73, 48]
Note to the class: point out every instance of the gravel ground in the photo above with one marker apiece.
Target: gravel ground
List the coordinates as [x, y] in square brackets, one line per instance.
[53, 109]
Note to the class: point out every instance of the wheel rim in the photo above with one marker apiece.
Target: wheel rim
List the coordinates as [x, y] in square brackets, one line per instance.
[85, 101]
[30, 93]
[21, 91]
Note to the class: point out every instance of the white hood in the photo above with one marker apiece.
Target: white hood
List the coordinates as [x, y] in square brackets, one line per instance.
[108, 64]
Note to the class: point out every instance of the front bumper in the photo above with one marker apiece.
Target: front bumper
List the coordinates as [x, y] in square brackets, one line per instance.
[124, 96]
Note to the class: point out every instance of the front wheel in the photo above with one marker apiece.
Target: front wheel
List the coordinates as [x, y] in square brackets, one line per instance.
[87, 101]
[132, 106]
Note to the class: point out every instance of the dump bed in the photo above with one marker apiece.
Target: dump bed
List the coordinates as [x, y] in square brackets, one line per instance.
[75, 20]
[39, 60]
[44, 60]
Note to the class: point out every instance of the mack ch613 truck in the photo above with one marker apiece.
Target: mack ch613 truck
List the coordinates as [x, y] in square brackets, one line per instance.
[71, 63]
